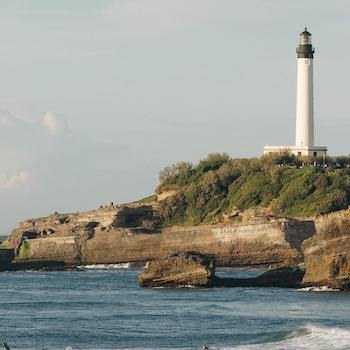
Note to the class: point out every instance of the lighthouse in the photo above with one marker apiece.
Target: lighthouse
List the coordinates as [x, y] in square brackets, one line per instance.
[304, 136]
[304, 133]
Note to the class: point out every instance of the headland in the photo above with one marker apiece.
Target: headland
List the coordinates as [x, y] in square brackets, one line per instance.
[277, 211]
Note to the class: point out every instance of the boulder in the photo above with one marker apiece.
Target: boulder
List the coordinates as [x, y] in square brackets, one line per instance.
[183, 269]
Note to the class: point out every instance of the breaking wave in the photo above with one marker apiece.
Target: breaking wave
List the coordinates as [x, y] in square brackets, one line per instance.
[318, 289]
[310, 337]
[106, 266]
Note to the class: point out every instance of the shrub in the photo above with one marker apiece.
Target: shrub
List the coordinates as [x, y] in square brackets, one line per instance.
[218, 183]
[23, 252]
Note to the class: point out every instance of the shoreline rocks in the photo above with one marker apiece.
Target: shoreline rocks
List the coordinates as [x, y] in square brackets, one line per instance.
[6, 258]
[195, 270]
[132, 234]
[183, 269]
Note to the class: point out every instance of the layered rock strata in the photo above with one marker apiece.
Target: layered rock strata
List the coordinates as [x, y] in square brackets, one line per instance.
[327, 253]
[131, 233]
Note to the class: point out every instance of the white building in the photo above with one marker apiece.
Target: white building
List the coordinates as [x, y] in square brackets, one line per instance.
[304, 139]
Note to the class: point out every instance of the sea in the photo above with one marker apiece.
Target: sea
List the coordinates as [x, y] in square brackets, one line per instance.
[103, 308]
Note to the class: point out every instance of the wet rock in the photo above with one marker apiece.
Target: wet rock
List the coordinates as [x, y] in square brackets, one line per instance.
[6, 257]
[183, 269]
[196, 270]
[287, 277]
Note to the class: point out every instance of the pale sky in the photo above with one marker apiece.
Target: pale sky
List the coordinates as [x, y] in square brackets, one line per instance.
[97, 96]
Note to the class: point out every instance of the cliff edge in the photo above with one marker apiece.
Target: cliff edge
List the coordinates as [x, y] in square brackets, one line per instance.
[132, 233]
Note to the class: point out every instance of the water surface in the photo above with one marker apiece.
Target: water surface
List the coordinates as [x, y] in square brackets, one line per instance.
[105, 309]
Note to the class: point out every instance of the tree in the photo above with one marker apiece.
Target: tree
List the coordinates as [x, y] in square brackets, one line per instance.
[171, 171]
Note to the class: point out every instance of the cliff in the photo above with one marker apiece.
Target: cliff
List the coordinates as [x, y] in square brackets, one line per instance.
[132, 233]
[231, 209]
[327, 253]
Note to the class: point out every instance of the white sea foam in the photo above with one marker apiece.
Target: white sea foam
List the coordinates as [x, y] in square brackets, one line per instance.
[310, 337]
[318, 289]
[105, 266]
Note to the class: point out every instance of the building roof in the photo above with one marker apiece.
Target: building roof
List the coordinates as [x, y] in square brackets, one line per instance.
[305, 32]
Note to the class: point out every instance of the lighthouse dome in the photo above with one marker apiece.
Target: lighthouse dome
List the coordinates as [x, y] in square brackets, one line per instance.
[305, 37]
[305, 32]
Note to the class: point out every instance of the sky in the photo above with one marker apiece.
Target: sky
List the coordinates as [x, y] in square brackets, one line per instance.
[96, 97]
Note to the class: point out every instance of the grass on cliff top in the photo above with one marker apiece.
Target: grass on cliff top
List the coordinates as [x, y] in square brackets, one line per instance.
[217, 184]
[148, 199]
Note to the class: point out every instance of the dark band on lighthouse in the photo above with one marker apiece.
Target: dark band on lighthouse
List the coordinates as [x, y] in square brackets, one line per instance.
[305, 49]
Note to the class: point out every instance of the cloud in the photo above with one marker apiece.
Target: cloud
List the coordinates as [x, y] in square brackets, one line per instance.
[50, 122]
[15, 180]
[53, 123]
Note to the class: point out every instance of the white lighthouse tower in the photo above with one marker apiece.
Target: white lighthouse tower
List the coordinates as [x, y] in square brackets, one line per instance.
[305, 93]
[304, 139]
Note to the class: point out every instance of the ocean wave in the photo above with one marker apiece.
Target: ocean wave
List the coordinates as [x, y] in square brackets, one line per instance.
[318, 289]
[105, 266]
[309, 337]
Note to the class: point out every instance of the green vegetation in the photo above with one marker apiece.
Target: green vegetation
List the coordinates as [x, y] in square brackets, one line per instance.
[23, 252]
[4, 243]
[148, 199]
[285, 184]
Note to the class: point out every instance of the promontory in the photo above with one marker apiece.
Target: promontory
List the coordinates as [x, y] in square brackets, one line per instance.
[276, 211]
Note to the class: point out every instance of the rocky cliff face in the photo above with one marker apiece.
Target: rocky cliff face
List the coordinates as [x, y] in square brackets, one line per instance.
[327, 254]
[130, 233]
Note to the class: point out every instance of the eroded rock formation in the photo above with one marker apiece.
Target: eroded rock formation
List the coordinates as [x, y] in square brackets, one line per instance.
[131, 233]
[327, 253]
[196, 270]
[179, 270]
